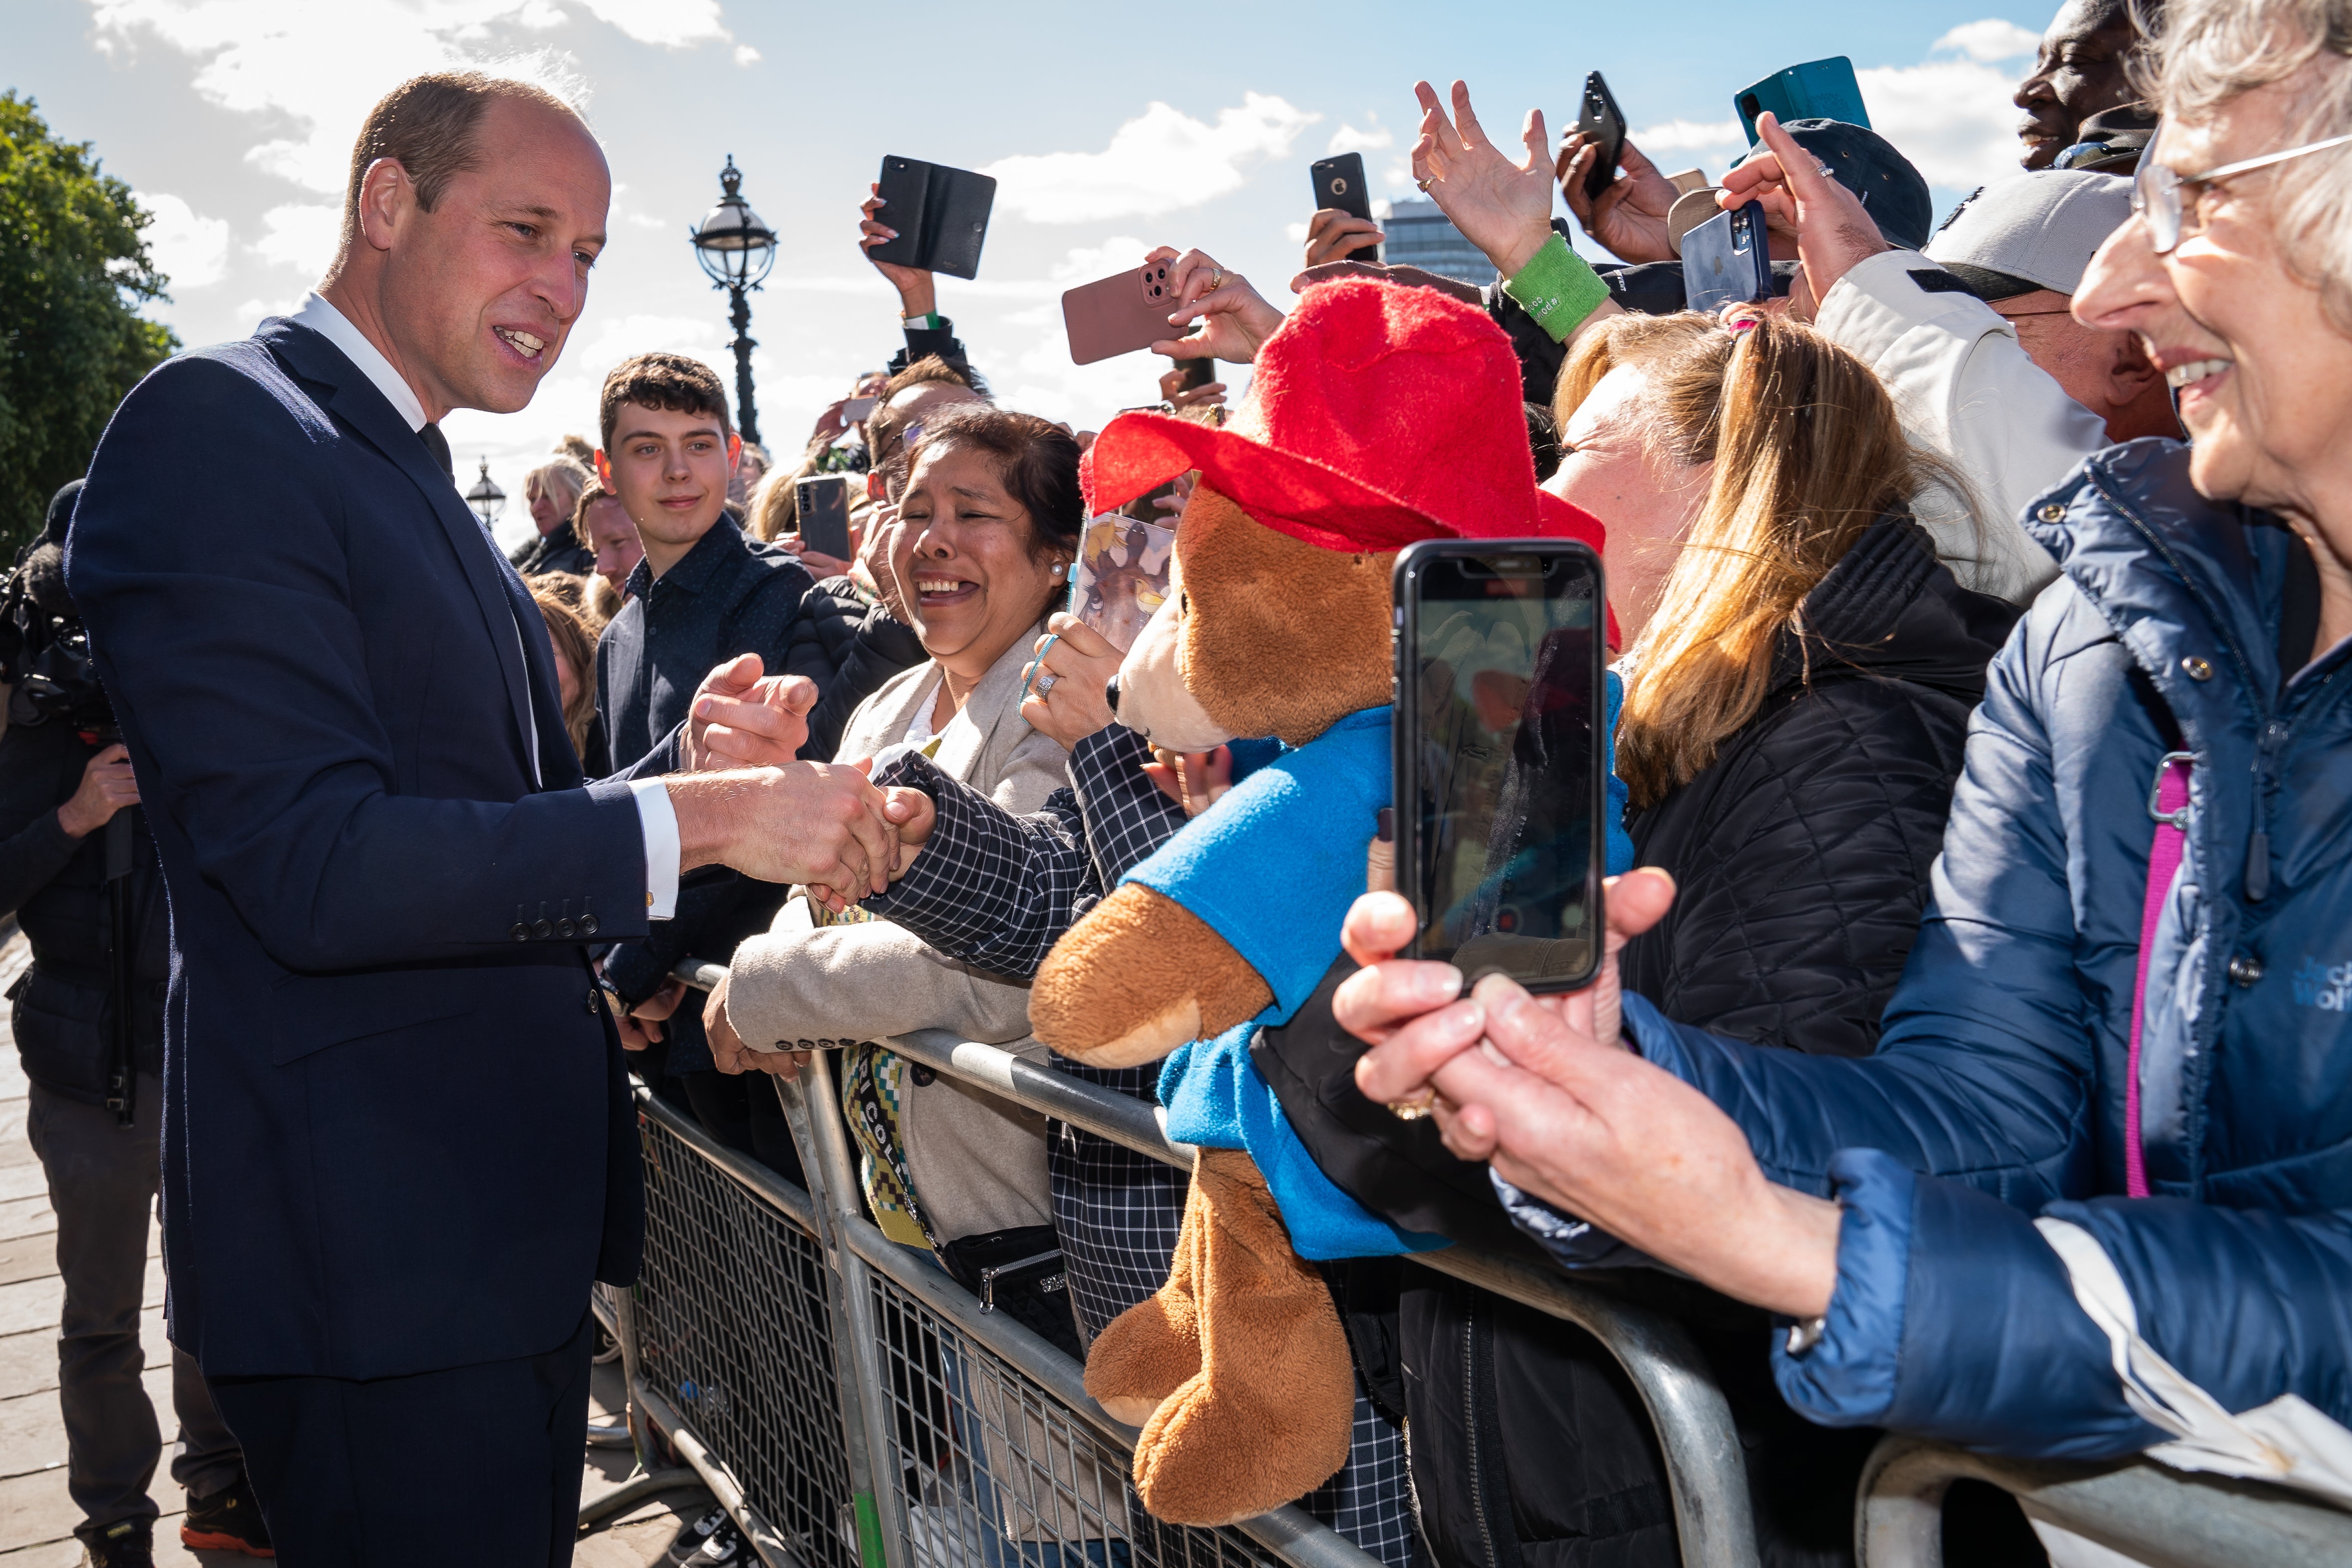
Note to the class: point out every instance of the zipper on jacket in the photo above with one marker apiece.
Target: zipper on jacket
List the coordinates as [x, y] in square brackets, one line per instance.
[1470, 1427]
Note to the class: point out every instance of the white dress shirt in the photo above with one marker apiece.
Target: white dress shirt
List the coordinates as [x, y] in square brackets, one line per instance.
[656, 815]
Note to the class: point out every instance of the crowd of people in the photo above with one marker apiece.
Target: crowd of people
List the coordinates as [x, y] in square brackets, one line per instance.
[1965, 1060]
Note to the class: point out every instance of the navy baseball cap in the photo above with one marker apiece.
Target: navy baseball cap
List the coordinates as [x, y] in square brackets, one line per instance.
[1866, 164]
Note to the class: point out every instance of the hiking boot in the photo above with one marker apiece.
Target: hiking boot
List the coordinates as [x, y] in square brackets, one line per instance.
[227, 1520]
[127, 1543]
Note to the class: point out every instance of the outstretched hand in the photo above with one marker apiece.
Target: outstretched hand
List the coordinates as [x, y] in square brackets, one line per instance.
[1834, 231]
[1501, 206]
[741, 718]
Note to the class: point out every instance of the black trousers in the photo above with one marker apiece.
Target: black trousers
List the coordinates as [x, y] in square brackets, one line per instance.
[101, 1180]
[478, 1465]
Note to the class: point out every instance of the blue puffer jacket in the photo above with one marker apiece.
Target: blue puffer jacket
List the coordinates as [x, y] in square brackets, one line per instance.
[1998, 1089]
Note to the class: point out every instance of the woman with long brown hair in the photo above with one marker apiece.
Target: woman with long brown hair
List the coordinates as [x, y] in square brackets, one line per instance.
[1800, 671]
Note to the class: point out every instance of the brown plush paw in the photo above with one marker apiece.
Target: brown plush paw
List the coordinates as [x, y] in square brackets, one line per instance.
[1148, 1351]
[1266, 1417]
[1137, 978]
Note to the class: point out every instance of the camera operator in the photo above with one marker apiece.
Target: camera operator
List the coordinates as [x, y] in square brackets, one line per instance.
[88, 1022]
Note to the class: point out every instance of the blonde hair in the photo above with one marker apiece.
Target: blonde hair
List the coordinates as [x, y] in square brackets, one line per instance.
[1808, 453]
[2212, 51]
[562, 478]
[772, 505]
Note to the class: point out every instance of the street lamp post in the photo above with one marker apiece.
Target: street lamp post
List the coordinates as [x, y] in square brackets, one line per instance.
[487, 499]
[737, 249]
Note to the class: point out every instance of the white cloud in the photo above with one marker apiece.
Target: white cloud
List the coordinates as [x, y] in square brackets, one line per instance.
[1689, 136]
[1953, 119]
[313, 68]
[1159, 161]
[300, 236]
[745, 55]
[674, 24]
[1347, 139]
[191, 251]
[1991, 41]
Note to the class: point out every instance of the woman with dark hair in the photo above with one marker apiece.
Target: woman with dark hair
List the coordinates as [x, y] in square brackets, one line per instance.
[988, 526]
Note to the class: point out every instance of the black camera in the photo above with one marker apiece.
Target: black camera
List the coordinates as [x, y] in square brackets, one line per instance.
[44, 650]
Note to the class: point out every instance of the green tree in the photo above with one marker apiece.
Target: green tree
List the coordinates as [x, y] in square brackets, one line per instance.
[73, 274]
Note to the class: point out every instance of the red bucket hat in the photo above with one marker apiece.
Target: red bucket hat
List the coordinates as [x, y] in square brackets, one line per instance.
[1378, 414]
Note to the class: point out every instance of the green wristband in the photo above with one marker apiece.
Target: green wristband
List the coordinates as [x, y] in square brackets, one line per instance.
[1558, 287]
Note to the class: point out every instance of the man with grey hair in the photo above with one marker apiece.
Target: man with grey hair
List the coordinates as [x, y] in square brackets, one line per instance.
[398, 1143]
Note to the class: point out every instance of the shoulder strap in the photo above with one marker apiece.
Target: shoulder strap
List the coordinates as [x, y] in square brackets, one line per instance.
[2168, 803]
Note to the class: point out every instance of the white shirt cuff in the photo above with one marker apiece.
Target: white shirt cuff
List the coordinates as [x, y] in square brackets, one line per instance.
[658, 819]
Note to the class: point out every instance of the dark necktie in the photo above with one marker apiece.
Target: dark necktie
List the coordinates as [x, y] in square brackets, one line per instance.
[438, 445]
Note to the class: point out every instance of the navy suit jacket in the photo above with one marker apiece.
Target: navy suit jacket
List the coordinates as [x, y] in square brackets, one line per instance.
[396, 1133]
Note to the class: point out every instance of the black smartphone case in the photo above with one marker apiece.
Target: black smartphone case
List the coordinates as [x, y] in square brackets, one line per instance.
[1339, 183]
[940, 213]
[1605, 122]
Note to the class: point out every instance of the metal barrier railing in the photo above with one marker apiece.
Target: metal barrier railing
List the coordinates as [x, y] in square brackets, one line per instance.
[2152, 1514]
[852, 1407]
[849, 1405]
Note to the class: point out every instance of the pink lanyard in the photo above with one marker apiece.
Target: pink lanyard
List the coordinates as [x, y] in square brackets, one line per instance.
[2167, 801]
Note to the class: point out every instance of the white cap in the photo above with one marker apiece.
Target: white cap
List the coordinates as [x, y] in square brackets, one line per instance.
[2037, 228]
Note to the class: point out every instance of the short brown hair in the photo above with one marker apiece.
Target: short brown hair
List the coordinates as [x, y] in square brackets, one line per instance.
[674, 384]
[575, 646]
[426, 125]
[594, 492]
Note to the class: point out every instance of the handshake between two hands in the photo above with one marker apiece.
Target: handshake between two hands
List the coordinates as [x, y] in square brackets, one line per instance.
[825, 826]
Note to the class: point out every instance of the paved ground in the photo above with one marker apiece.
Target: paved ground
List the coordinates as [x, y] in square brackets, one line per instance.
[37, 1517]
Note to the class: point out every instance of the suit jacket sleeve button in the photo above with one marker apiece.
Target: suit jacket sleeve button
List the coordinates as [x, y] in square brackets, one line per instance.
[521, 932]
[542, 929]
[566, 927]
[587, 925]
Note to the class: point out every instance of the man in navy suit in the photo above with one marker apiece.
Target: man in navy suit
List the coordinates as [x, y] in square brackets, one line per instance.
[397, 1144]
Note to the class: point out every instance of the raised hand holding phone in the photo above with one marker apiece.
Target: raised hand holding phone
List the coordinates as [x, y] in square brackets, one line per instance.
[1834, 230]
[1629, 215]
[1230, 318]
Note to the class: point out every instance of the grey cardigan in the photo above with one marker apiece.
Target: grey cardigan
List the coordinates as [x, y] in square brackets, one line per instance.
[979, 1166]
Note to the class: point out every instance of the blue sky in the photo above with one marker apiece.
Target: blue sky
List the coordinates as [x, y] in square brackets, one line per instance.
[1110, 128]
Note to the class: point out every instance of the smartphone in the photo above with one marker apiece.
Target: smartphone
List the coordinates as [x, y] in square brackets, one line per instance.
[940, 214]
[1818, 89]
[823, 505]
[1339, 183]
[1120, 313]
[1499, 747]
[1198, 372]
[1727, 258]
[1604, 124]
[858, 408]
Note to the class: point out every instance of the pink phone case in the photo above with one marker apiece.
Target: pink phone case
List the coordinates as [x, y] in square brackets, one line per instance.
[1120, 314]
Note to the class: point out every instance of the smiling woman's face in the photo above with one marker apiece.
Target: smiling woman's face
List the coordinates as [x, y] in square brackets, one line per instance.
[970, 576]
[2264, 380]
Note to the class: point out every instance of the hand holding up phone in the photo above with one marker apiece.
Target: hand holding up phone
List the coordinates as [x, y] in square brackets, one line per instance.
[1229, 318]
[1834, 230]
[1629, 215]
[919, 295]
[1336, 235]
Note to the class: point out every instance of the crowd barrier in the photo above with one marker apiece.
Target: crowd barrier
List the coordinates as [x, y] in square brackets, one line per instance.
[852, 1407]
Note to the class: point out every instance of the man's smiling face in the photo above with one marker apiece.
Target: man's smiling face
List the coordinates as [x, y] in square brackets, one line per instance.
[480, 292]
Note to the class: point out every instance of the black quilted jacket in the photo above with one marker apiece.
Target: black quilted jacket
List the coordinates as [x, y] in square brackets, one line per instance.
[1801, 852]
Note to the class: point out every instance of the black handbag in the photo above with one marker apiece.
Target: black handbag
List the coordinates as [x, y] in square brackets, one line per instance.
[1019, 1272]
[1401, 1170]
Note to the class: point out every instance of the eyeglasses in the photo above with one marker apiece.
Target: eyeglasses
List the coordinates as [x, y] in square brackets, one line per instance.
[2156, 189]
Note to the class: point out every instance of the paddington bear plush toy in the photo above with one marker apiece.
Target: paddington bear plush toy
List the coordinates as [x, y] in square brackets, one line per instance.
[1378, 415]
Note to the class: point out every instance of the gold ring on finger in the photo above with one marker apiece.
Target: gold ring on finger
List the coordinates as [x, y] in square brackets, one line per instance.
[1414, 1109]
